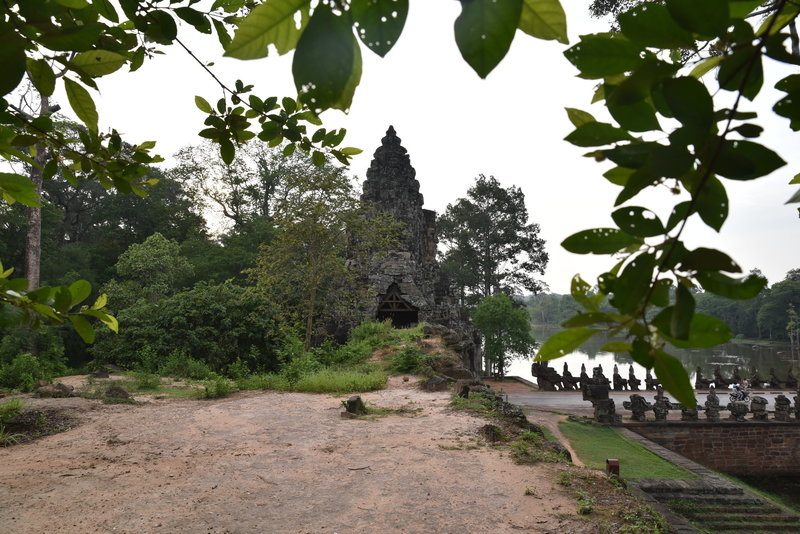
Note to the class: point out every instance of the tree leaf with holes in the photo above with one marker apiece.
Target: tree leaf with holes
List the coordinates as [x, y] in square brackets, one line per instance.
[81, 103]
[270, 23]
[563, 343]
[712, 204]
[651, 25]
[599, 241]
[732, 288]
[600, 55]
[638, 221]
[746, 160]
[691, 104]
[380, 22]
[708, 19]
[544, 19]
[484, 31]
[324, 61]
[709, 259]
[98, 62]
[632, 285]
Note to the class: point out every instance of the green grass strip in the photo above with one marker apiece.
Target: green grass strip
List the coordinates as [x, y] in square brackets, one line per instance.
[596, 443]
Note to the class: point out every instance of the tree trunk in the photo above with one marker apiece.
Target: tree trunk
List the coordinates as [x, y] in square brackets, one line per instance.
[312, 302]
[33, 239]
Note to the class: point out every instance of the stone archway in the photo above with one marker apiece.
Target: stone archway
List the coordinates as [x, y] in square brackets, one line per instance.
[393, 306]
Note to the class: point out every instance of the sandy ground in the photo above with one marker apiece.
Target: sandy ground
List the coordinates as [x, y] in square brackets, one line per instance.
[272, 462]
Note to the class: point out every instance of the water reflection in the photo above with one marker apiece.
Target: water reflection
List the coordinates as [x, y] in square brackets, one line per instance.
[727, 357]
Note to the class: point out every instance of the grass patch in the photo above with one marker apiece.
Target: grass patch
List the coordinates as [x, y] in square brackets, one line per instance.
[530, 448]
[340, 381]
[596, 443]
[475, 402]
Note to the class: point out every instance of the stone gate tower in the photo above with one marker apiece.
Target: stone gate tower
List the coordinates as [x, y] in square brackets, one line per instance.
[408, 284]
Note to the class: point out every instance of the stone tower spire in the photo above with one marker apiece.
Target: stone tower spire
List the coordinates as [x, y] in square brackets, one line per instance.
[392, 188]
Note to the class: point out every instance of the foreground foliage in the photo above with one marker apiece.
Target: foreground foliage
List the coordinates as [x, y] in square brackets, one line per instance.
[647, 85]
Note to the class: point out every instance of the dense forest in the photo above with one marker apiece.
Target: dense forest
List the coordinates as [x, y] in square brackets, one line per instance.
[771, 315]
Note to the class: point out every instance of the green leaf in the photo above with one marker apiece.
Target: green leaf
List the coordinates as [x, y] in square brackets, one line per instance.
[203, 105]
[318, 158]
[597, 134]
[101, 302]
[544, 19]
[161, 27]
[705, 331]
[632, 286]
[227, 151]
[578, 117]
[661, 291]
[746, 160]
[795, 180]
[673, 376]
[709, 259]
[705, 66]
[18, 188]
[106, 9]
[63, 299]
[690, 103]
[12, 59]
[73, 4]
[638, 221]
[599, 241]
[80, 291]
[72, 39]
[650, 24]
[484, 31]
[743, 71]
[81, 103]
[325, 60]
[618, 175]
[109, 320]
[379, 22]
[739, 9]
[708, 19]
[563, 343]
[270, 23]
[195, 18]
[600, 55]
[732, 288]
[98, 62]
[712, 203]
[616, 346]
[83, 328]
[41, 75]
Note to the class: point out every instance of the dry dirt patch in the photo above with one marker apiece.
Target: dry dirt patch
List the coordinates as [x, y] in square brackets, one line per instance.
[276, 462]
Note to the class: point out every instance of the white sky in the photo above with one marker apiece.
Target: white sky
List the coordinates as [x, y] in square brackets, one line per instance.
[456, 126]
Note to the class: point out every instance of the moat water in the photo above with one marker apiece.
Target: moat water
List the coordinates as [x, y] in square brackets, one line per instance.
[727, 357]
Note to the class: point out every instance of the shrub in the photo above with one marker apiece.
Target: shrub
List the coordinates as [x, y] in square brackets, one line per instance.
[299, 367]
[340, 381]
[146, 381]
[216, 386]
[375, 334]
[25, 369]
[408, 360]
[216, 323]
[180, 365]
[10, 408]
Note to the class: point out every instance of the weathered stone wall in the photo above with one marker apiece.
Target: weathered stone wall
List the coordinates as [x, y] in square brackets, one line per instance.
[750, 448]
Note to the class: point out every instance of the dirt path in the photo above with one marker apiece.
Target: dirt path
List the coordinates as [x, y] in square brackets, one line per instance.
[268, 462]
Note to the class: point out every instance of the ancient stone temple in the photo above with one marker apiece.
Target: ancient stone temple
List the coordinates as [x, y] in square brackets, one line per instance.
[408, 284]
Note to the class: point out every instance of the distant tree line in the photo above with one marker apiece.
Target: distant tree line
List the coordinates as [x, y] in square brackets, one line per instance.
[767, 316]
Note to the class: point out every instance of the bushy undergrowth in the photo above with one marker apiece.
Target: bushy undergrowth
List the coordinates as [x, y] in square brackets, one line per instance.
[10, 408]
[409, 360]
[19, 369]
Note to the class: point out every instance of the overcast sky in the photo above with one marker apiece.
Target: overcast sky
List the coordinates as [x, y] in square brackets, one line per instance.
[456, 126]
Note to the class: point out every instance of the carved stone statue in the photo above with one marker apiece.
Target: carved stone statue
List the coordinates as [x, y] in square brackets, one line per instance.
[567, 380]
[791, 381]
[606, 412]
[712, 406]
[649, 381]
[797, 405]
[719, 380]
[546, 377]
[782, 406]
[584, 378]
[758, 406]
[774, 381]
[620, 384]
[699, 381]
[633, 382]
[639, 406]
[598, 377]
[738, 410]
[689, 414]
[662, 405]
